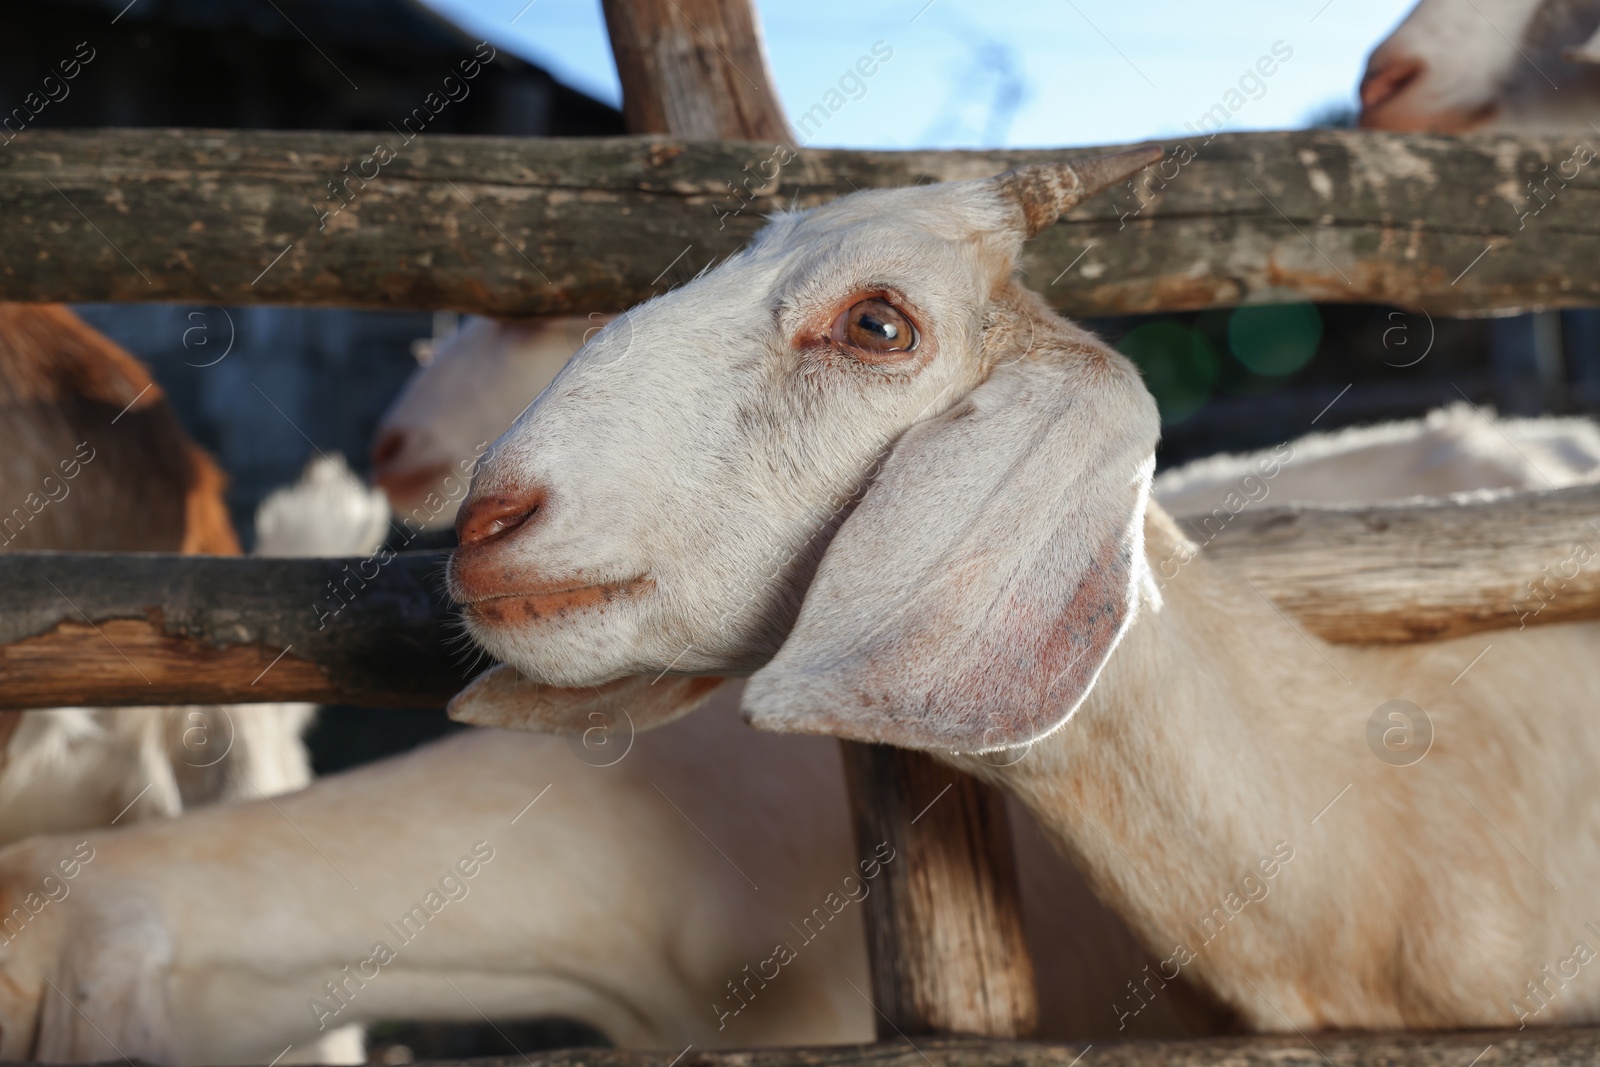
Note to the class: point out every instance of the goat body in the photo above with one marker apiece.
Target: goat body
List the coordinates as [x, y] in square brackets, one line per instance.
[1452, 450]
[1218, 738]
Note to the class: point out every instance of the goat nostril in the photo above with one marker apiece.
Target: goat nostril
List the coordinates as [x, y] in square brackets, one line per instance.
[496, 516]
[387, 446]
[1384, 81]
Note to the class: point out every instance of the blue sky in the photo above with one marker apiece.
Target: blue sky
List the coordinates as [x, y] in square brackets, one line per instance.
[1025, 73]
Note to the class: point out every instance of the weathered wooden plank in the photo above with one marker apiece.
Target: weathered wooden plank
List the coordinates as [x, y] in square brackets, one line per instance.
[1533, 1047]
[945, 939]
[520, 227]
[694, 69]
[102, 628]
[1395, 573]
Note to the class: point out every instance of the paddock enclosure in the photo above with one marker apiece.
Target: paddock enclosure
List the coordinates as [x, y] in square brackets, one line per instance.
[509, 226]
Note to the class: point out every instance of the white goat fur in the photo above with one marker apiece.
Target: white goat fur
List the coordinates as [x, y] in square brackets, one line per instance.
[1452, 450]
[1523, 66]
[635, 922]
[993, 583]
[328, 512]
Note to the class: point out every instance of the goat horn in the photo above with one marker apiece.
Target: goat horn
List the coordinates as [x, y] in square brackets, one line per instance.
[1046, 191]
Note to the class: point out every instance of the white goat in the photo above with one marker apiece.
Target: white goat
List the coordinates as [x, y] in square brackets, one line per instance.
[1515, 65]
[70, 768]
[725, 506]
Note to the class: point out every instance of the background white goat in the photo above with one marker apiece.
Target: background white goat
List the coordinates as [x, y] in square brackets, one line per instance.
[673, 513]
[1452, 450]
[475, 382]
[1451, 66]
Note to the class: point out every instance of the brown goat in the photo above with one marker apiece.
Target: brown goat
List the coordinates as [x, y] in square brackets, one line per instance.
[92, 457]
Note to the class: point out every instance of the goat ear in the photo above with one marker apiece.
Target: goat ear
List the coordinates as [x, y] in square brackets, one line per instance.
[1043, 192]
[973, 596]
[501, 698]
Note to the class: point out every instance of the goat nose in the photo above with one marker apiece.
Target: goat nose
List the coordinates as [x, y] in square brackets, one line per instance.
[1386, 78]
[387, 446]
[497, 514]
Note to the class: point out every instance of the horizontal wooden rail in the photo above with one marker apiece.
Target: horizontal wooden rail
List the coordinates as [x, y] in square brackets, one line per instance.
[514, 226]
[1395, 573]
[100, 629]
[1533, 1047]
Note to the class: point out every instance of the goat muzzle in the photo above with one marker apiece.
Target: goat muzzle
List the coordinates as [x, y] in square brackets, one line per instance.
[497, 515]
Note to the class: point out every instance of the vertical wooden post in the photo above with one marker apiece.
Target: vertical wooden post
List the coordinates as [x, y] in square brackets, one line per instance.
[944, 928]
[694, 69]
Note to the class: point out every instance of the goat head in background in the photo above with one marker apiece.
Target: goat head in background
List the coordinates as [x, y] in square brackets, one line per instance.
[1454, 66]
[471, 389]
[665, 503]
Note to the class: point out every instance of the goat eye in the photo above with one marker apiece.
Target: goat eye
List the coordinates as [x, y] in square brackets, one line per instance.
[874, 325]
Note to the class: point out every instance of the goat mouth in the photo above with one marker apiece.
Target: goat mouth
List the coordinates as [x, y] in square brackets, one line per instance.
[553, 600]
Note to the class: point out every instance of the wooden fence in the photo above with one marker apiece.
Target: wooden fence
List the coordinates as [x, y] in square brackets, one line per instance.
[518, 227]
[511, 226]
